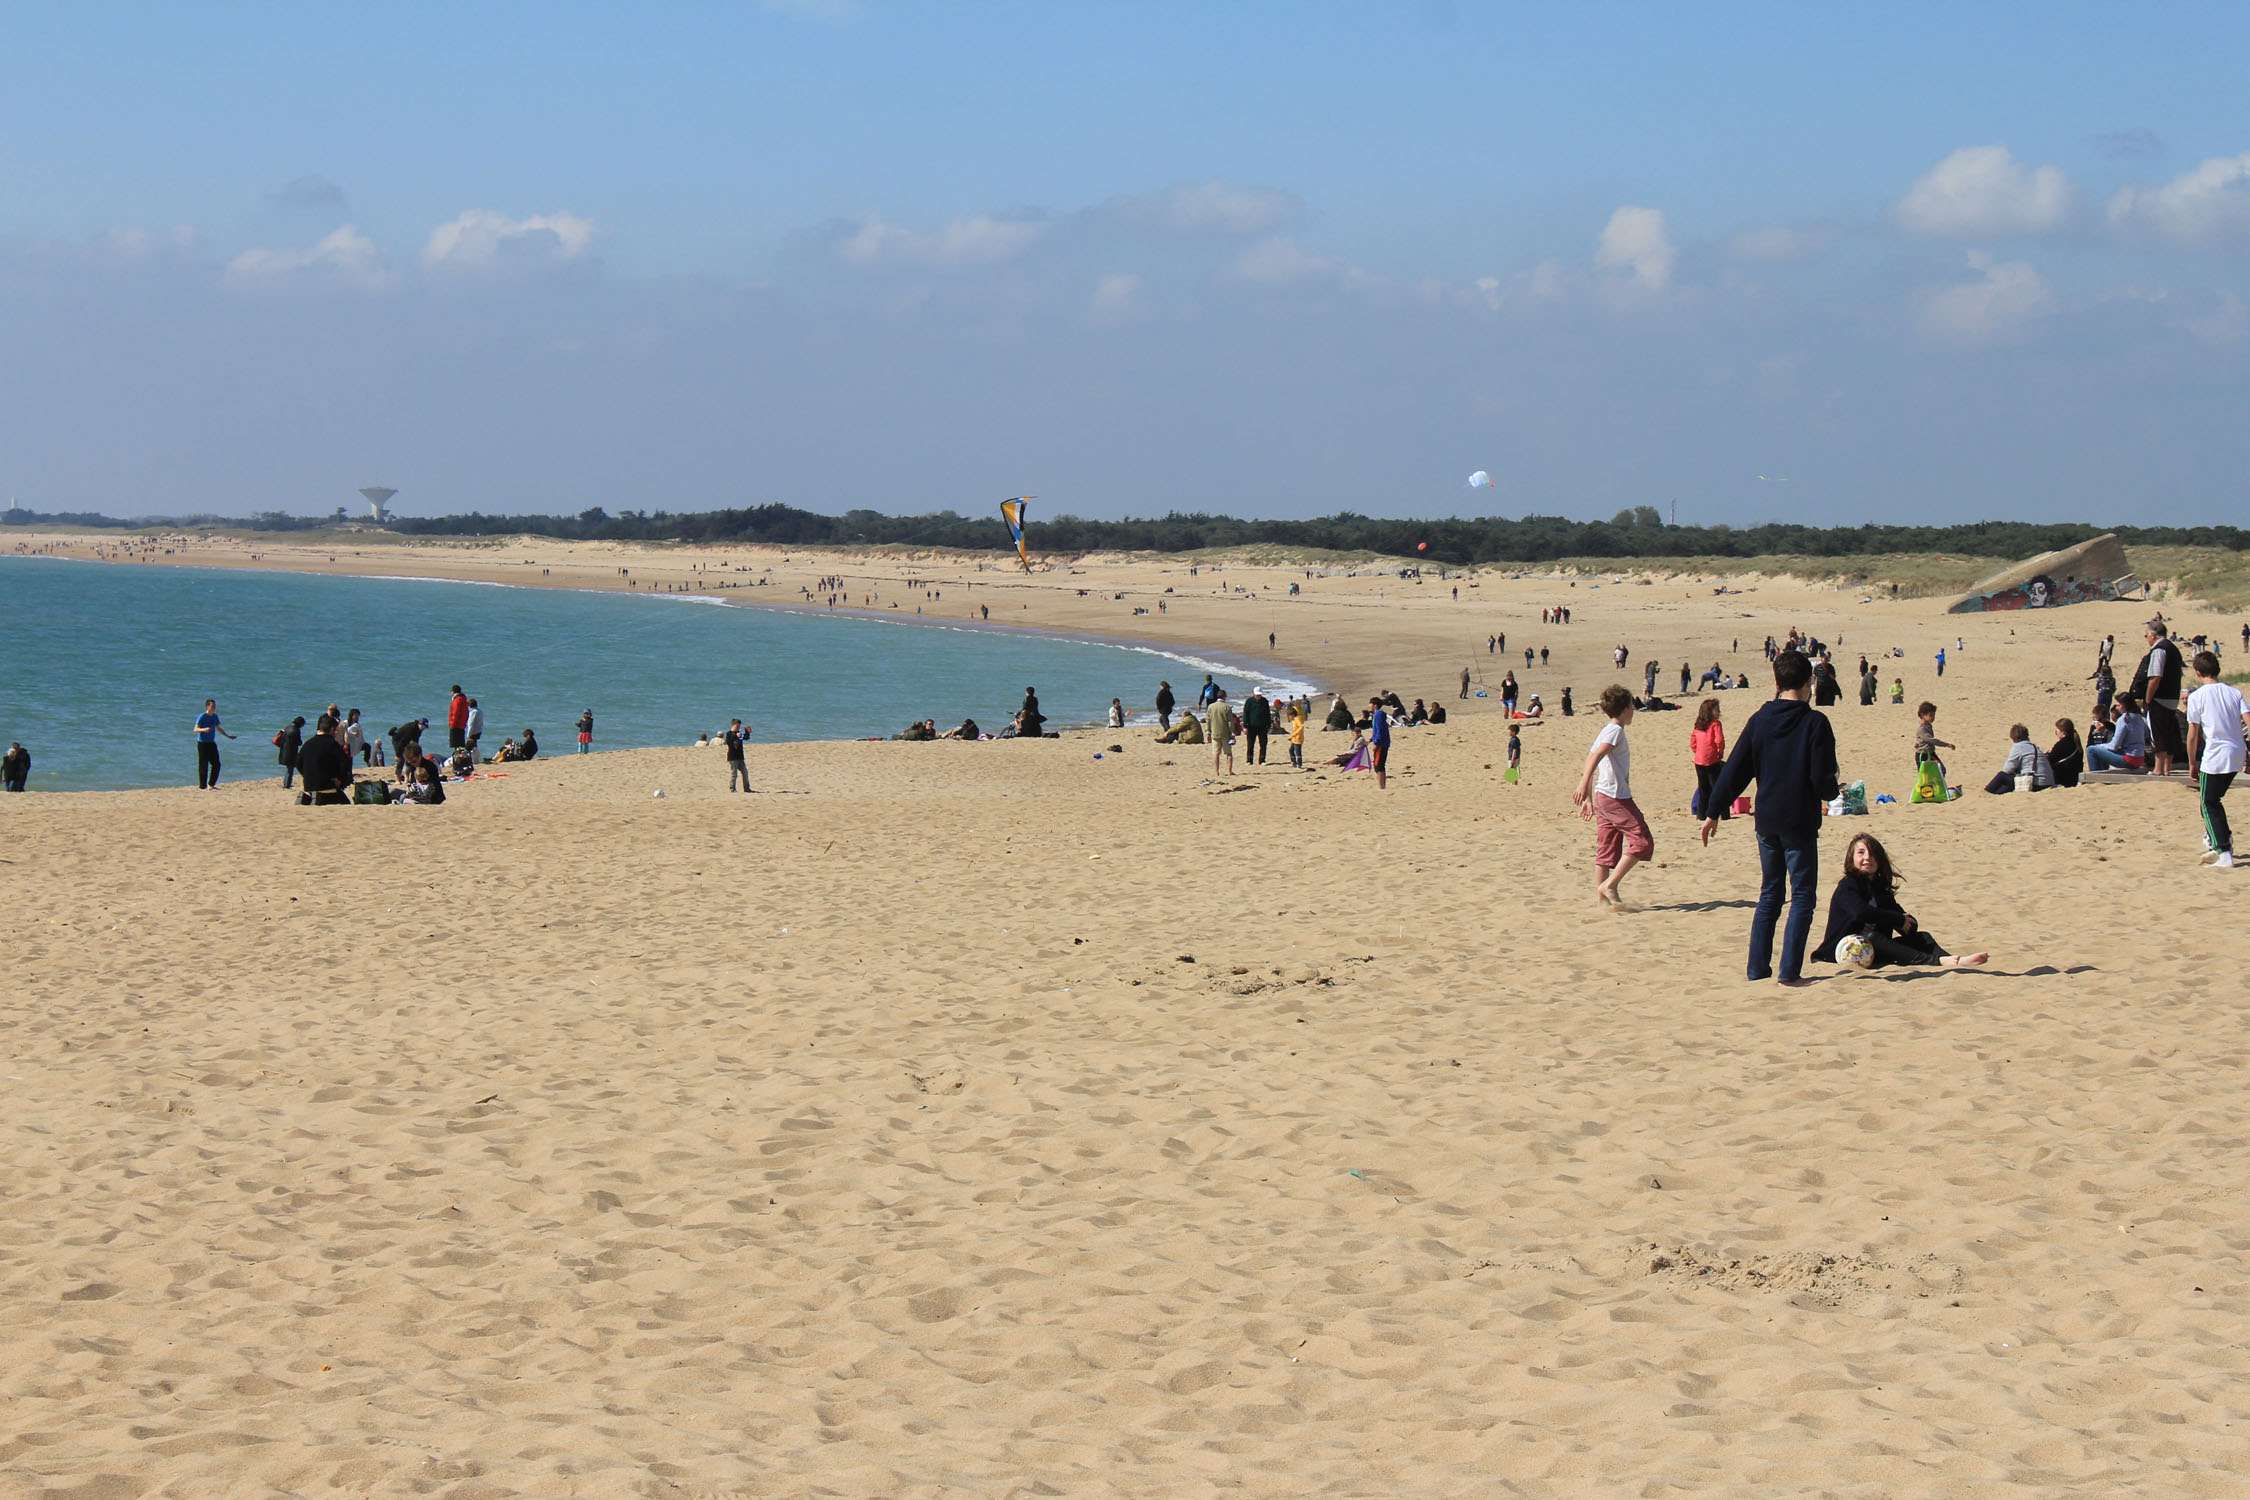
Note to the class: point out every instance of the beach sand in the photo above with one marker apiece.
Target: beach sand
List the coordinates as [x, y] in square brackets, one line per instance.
[999, 1120]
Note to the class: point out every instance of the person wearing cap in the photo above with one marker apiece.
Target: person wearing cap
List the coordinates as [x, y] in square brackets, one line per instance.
[1257, 727]
[2156, 683]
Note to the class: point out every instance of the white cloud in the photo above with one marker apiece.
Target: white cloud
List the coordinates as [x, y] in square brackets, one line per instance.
[2007, 296]
[1207, 208]
[1638, 241]
[1779, 244]
[1113, 297]
[1984, 190]
[978, 239]
[1545, 286]
[2204, 205]
[1281, 261]
[346, 254]
[481, 237]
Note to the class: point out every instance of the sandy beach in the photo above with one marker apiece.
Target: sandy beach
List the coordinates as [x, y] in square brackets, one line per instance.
[997, 1119]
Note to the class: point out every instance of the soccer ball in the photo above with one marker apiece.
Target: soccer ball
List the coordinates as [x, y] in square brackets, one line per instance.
[1856, 951]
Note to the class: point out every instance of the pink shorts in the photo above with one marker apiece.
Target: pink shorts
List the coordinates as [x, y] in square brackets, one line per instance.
[1619, 828]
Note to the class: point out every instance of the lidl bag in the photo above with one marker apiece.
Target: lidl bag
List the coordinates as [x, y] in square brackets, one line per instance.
[1929, 782]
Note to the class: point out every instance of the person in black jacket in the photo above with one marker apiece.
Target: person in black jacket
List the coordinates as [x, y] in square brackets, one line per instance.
[1257, 727]
[1866, 902]
[291, 743]
[1789, 750]
[2067, 756]
[1164, 701]
[326, 762]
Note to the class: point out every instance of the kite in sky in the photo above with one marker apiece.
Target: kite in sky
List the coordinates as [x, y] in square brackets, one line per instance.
[1480, 480]
[1012, 510]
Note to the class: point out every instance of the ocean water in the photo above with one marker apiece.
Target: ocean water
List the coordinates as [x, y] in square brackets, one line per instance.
[103, 667]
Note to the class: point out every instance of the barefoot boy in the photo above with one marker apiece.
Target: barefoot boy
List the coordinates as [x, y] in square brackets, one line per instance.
[1605, 794]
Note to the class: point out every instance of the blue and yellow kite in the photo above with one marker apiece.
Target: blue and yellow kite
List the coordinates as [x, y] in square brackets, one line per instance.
[1012, 511]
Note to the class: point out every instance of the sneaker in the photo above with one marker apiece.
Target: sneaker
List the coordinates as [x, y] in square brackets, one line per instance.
[2225, 861]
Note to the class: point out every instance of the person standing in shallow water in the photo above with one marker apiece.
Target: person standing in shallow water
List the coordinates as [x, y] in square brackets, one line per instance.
[208, 729]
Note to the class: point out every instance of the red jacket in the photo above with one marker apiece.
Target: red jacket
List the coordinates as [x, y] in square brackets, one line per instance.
[457, 713]
[1709, 745]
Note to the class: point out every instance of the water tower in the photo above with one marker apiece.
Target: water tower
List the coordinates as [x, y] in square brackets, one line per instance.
[378, 500]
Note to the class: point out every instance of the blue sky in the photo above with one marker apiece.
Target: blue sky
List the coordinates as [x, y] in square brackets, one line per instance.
[1918, 262]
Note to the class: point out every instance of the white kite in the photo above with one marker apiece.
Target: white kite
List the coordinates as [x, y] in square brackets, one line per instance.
[1480, 480]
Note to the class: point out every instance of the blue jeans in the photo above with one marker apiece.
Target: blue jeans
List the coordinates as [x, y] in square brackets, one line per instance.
[2102, 758]
[1796, 863]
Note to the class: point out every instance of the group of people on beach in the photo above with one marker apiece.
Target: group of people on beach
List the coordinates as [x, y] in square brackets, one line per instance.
[1787, 750]
[1788, 753]
[319, 765]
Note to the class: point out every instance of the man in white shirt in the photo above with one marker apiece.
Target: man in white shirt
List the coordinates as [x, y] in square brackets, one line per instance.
[2217, 717]
[476, 729]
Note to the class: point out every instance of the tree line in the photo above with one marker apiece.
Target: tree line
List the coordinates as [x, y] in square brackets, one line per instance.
[1636, 533]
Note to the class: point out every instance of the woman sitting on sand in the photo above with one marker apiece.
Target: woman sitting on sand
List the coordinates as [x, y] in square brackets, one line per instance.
[967, 731]
[2066, 755]
[1865, 902]
[2024, 759]
[1339, 717]
[2127, 748]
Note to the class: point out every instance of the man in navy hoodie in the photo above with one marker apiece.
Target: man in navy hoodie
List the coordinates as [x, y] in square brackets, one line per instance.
[1790, 751]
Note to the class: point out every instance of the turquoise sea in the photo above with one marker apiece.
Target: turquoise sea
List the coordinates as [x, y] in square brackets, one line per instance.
[103, 667]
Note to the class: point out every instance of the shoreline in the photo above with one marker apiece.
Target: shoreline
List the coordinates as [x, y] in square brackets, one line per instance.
[1193, 657]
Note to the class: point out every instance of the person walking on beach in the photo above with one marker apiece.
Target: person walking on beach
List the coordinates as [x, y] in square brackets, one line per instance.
[1604, 797]
[1707, 747]
[15, 767]
[1210, 691]
[1464, 682]
[1257, 728]
[208, 730]
[1941, 661]
[1164, 702]
[585, 731]
[355, 738]
[737, 769]
[2217, 717]
[476, 729]
[1297, 712]
[291, 743]
[1220, 724]
[1789, 750]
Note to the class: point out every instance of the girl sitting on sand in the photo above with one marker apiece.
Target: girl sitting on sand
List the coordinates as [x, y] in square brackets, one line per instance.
[1865, 901]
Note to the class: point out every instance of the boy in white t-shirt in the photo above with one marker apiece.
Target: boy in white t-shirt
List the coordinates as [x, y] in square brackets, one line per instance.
[1605, 795]
[2216, 718]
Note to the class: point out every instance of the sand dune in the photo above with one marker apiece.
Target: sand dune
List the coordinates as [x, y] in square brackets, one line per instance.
[991, 1119]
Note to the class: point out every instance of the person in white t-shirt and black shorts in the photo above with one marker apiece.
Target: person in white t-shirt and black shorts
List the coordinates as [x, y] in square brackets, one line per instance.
[2217, 718]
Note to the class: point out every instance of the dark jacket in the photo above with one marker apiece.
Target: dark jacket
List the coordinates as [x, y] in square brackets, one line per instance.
[1164, 700]
[292, 743]
[2069, 760]
[1257, 712]
[1790, 752]
[529, 749]
[327, 766]
[1854, 907]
